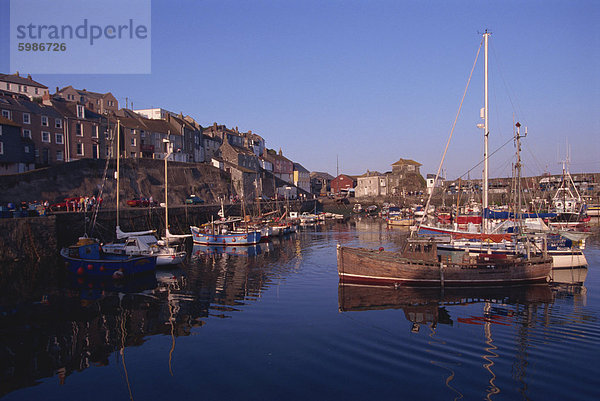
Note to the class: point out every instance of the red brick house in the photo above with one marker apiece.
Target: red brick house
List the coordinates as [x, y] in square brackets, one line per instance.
[341, 183]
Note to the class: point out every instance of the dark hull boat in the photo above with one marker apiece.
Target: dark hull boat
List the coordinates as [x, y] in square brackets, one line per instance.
[87, 259]
[420, 264]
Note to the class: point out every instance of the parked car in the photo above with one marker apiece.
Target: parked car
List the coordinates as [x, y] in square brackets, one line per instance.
[194, 200]
[141, 202]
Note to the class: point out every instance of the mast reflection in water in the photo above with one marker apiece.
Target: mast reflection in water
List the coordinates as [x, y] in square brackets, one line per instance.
[271, 322]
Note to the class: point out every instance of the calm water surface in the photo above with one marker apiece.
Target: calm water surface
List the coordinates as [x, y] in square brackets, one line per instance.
[270, 322]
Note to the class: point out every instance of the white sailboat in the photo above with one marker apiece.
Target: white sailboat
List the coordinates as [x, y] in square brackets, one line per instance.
[141, 243]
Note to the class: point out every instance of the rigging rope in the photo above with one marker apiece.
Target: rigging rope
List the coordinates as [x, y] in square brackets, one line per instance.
[437, 175]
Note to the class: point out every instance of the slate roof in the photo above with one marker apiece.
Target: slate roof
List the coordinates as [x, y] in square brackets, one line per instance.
[402, 162]
[321, 175]
[15, 79]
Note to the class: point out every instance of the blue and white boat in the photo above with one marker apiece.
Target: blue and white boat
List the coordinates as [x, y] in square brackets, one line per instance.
[87, 259]
[224, 232]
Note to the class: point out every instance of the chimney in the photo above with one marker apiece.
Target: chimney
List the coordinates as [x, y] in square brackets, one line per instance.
[17, 73]
[29, 77]
[46, 99]
[57, 89]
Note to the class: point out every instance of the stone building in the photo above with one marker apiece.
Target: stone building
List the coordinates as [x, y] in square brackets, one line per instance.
[301, 177]
[246, 182]
[16, 152]
[283, 168]
[16, 84]
[82, 129]
[101, 103]
[372, 183]
[41, 123]
[320, 182]
[239, 156]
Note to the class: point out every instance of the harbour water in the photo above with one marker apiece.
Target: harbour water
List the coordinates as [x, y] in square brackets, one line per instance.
[270, 322]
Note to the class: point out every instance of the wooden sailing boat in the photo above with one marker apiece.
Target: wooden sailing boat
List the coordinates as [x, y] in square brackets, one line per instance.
[420, 263]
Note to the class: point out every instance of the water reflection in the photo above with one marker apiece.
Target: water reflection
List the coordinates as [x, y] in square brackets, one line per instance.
[79, 323]
[523, 309]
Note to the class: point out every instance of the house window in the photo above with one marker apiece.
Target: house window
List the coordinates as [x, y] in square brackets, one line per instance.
[26, 118]
[1, 148]
[26, 149]
[132, 141]
[45, 137]
[6, 114]
[59, 155]
[0, 130]
[95, 151]
[80, 149]
[132, 131]
[58, 123]
[45, 121]
[37, 91]
[79, 129]
[25, 88]
[59, 139]
[95, 132]
[81, 99]
[80, 111]
[132, 155]
[27, 133]
[7, 86]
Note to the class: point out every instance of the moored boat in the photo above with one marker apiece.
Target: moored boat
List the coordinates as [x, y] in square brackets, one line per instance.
[419, 263]
[86, 258]
[223, 236]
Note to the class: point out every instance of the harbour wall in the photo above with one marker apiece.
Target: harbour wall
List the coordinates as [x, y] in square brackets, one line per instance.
[39, 238]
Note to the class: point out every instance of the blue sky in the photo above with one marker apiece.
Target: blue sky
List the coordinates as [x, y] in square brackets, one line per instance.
[373, 81]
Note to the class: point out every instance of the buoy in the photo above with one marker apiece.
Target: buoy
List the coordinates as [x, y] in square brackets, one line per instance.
[90, 266]
[380, 249]
[233, 240]
[80, 270]
[102, 268]
[118, 274]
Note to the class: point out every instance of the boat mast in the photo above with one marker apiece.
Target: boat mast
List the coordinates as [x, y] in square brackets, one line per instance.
[167, 142]
[486, 36]
[518, 137]
[118, 156]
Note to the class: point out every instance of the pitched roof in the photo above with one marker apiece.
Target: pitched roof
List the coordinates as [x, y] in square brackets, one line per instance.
[240, 168]
[85, 92]
[322, 175]
[402, 162]
[370, 174]
[300, 168]
[16, 79]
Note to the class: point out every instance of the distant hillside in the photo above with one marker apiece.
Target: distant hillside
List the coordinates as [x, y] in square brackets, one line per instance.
[139, 178]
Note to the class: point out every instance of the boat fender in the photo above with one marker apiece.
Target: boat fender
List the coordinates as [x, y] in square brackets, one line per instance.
[118, 274]
[90, 266]
[381, 249]
[102, 268]
[80, 271]
[245, 237]
[233, 240]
